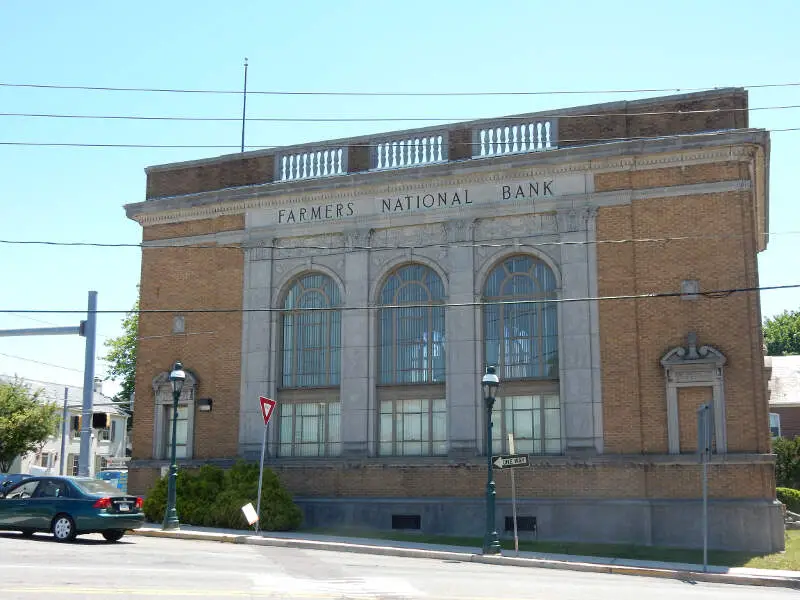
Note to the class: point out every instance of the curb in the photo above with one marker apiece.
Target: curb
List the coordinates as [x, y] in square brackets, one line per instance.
[538, 563]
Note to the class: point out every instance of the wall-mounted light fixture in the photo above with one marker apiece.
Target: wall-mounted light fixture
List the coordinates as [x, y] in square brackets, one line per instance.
[204, 404]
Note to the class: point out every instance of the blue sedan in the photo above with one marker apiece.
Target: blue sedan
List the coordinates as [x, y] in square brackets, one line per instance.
[69, 506]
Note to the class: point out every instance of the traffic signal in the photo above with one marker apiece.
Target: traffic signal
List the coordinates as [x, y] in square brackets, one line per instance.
[101, 420]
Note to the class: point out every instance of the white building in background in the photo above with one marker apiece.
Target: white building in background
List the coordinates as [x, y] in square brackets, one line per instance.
[110, 442]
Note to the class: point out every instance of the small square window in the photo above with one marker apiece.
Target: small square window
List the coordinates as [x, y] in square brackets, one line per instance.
[178, 324]
[690, 289]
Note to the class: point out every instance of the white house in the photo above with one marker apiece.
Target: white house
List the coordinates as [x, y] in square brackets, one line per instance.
[109, 439]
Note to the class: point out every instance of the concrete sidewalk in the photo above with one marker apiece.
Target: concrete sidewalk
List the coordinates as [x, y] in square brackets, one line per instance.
[594, 564]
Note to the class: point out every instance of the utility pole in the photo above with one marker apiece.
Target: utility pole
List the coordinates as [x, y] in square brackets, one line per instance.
[64, 429]
[88, 386]
[244, 101]
[87, 329]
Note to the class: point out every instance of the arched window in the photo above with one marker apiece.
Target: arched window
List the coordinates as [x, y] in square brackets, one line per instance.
[412, 337]
[521, 338]
[312, 338]
[413, 420]
[520, 331]
[311, 344]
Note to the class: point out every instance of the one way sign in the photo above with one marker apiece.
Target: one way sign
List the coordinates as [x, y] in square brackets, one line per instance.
[510, 461]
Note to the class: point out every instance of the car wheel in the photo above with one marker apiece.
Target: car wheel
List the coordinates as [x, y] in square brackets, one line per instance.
[64, 528]
[27, 533]
[113, 536]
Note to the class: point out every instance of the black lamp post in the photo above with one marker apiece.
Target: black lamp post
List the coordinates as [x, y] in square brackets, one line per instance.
[176, 377]
[490, 383]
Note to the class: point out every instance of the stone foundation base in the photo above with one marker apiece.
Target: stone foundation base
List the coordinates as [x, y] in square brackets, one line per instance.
[747, 525]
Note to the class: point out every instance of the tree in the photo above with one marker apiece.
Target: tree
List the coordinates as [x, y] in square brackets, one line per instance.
[25, 422]
[787, 462]
[782, 333]
[122, 356]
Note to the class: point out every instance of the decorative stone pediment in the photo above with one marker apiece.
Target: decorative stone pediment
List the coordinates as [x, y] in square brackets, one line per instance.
[691, 355]
[691, 366]
[162, 379]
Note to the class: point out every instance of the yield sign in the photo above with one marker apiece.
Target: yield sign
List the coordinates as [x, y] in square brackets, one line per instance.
[267, 406]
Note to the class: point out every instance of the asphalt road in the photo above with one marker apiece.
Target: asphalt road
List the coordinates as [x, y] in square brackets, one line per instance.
[139, 567]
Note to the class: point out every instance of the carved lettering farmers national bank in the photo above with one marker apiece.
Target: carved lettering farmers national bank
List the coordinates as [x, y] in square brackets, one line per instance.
[532, 194]
[367, 294]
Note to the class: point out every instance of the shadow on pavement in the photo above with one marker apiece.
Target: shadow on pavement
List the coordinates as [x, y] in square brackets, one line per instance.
[78, 541]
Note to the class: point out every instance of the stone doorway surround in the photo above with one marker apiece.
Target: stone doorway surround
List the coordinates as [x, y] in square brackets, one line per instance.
[694, 367]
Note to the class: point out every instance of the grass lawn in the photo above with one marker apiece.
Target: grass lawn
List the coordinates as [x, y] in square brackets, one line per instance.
[789, 559]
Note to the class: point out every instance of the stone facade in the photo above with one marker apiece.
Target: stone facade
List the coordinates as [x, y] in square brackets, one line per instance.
[636, 219]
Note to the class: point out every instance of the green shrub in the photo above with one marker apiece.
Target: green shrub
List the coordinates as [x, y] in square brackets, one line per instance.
[787, 462]
[213, 497]
[789, 497]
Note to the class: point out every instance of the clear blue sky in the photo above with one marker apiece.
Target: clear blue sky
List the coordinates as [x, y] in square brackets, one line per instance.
[77, 194]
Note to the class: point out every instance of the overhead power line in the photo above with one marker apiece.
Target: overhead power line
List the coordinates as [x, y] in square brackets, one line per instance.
[38, 362]
[392, 119]
[95, 88]
[499, 243]
[322, 144]
[719, 293]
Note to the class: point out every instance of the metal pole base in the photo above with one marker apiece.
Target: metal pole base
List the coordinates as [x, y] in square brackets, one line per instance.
[491, 544]
[171, 521]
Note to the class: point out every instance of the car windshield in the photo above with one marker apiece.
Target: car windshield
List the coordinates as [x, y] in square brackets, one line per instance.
[96, 486]
[7, 480]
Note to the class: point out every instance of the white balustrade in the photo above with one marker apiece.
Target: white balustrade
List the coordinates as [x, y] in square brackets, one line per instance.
[536, 136]
[308, 165]
[411, 152]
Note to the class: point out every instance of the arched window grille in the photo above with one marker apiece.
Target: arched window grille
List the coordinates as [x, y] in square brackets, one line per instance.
[521, 338]
[312, 338]
[412, 338]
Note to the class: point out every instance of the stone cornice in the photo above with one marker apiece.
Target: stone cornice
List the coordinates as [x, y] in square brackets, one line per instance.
[731, 146]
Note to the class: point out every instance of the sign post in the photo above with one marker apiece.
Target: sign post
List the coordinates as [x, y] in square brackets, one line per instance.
[705, 443]
[513, 496]
[267, 408]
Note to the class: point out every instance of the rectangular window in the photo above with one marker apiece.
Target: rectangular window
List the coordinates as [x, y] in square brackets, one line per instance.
[113, 431]
[44, 460]
[182, 431]
[775, 425]
[535, 422]
[74, 464]
[75, 426]
[103, 434]
[310, 429]
[413, 427]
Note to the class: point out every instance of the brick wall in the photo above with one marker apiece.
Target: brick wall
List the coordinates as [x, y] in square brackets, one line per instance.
[190, 228]
[689, 174]
[185, 278]
[629, 122]
[633, 481]
[790, 420]
[229, 172]
[469, 481]
[635, 334]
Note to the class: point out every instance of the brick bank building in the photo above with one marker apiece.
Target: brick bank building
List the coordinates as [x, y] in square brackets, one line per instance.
[426, 255]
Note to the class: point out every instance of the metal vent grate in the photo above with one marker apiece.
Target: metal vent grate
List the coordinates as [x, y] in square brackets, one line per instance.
[523, 524]
[406, 522]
